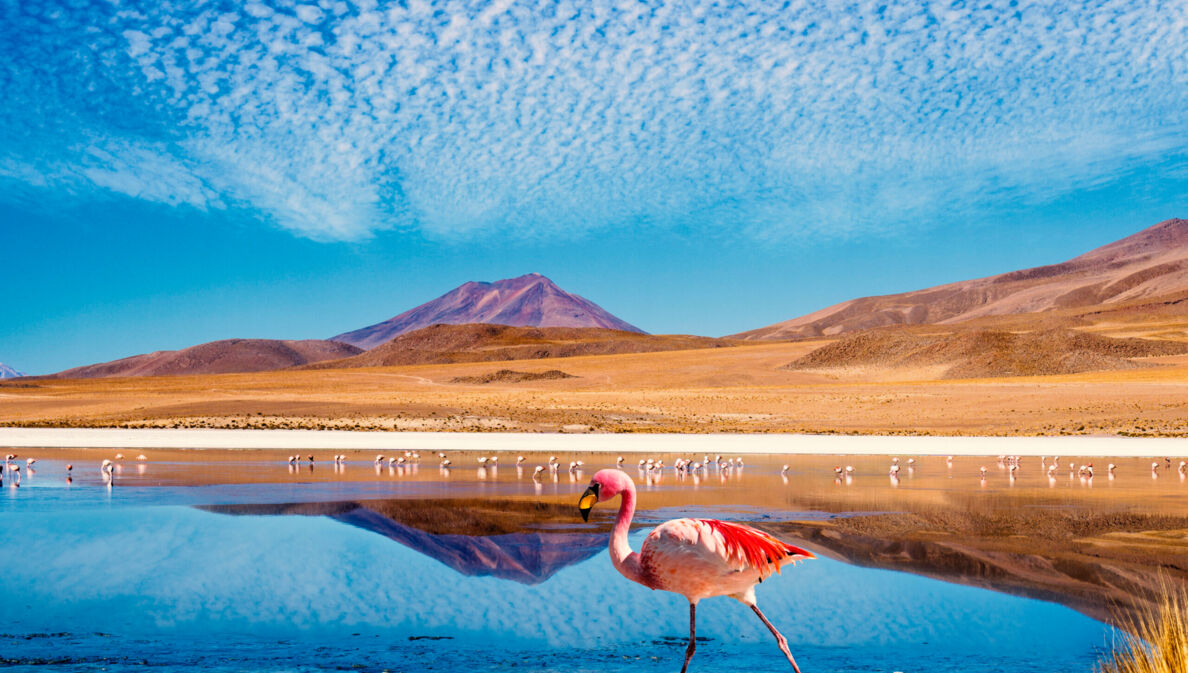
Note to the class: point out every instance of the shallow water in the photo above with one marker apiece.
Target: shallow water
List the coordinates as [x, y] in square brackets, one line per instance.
[238, 563]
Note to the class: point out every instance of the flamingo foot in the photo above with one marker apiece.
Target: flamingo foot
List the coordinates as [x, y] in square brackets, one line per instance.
[783, 642]
[692, 636]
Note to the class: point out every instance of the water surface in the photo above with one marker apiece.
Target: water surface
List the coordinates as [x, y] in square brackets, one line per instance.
[242, 563]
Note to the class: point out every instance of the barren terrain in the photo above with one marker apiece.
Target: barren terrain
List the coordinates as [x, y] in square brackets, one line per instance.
[730, 389]
[1149, 267]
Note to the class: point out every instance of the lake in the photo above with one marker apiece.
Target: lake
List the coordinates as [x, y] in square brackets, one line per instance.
[233, 561]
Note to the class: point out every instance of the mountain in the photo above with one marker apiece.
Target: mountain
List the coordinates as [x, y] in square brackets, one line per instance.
[7, 372]
[445, 344]
[959, 353]
[1152, 264]
[217, 357]
[527, 301]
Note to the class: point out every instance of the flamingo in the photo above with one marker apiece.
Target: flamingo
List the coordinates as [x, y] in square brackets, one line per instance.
[697, 558]
[106, 469]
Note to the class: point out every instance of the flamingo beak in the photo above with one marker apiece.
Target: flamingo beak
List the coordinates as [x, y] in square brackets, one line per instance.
[589, 498]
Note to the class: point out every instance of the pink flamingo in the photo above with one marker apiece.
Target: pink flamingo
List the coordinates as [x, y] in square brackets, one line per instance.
[697, 558]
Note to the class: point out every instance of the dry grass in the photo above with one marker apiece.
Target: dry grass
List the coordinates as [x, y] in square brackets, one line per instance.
[1156, 640]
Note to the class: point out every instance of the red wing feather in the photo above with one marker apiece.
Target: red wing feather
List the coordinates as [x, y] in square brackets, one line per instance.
[758, 549]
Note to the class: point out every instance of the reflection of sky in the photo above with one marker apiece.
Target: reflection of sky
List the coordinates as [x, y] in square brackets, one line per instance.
[172, 570]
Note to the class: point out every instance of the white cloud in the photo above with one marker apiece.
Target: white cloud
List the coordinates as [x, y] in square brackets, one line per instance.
[467, 116]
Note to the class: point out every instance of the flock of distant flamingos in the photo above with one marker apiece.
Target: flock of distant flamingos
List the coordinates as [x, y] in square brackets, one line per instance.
[696, 558]
[650, 469]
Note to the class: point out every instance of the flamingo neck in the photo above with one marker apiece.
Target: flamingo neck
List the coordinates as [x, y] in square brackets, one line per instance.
[625, 560]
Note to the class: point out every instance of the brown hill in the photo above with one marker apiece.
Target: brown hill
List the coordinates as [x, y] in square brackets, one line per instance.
[445, 344]
[527, 301]
[217, 357]
[980, 353]
[1150, 264]
[513, 376]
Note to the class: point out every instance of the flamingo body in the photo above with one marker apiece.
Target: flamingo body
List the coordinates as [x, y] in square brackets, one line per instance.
[701, 558]
[696, 558]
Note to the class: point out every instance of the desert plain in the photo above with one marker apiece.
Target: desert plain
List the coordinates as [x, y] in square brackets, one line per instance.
[743, 388]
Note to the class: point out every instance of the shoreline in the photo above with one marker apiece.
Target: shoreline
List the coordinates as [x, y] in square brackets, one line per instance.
[785, 444]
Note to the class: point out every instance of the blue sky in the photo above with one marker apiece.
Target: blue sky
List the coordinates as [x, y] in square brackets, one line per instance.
[172, 173]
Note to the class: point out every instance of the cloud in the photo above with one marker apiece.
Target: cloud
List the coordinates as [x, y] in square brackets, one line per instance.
[459, 118]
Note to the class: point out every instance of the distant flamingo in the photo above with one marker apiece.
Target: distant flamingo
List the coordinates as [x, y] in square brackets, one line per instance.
[697, 558]
[107, 469]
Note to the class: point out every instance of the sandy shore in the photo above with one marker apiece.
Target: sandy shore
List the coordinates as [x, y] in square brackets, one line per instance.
[623, 443]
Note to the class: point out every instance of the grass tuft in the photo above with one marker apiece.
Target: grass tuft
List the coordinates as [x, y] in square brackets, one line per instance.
[1156, 640]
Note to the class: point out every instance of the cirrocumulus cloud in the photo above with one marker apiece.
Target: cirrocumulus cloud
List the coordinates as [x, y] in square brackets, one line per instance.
[458, 118]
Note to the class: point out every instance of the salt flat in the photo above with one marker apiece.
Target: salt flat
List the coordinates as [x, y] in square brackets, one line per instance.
[544, 442]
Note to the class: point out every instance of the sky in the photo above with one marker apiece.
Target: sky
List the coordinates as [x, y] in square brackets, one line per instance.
[177, 172]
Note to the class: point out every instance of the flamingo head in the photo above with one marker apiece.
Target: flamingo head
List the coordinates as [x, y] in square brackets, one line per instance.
[605, 485]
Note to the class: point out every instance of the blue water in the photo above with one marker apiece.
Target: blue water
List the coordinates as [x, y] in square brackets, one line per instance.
[97, 580]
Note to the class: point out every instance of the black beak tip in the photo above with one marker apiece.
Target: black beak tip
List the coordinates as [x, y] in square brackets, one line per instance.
[585, 515]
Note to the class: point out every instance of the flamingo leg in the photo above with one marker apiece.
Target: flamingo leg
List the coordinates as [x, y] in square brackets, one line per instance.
[783, 642]
[692, 636]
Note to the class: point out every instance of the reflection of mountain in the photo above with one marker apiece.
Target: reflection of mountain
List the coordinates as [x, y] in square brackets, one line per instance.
[1106, 566]
[482, 541]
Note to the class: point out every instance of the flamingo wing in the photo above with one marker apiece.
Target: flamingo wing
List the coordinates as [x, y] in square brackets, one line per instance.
[705, 557]
[753, 547]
